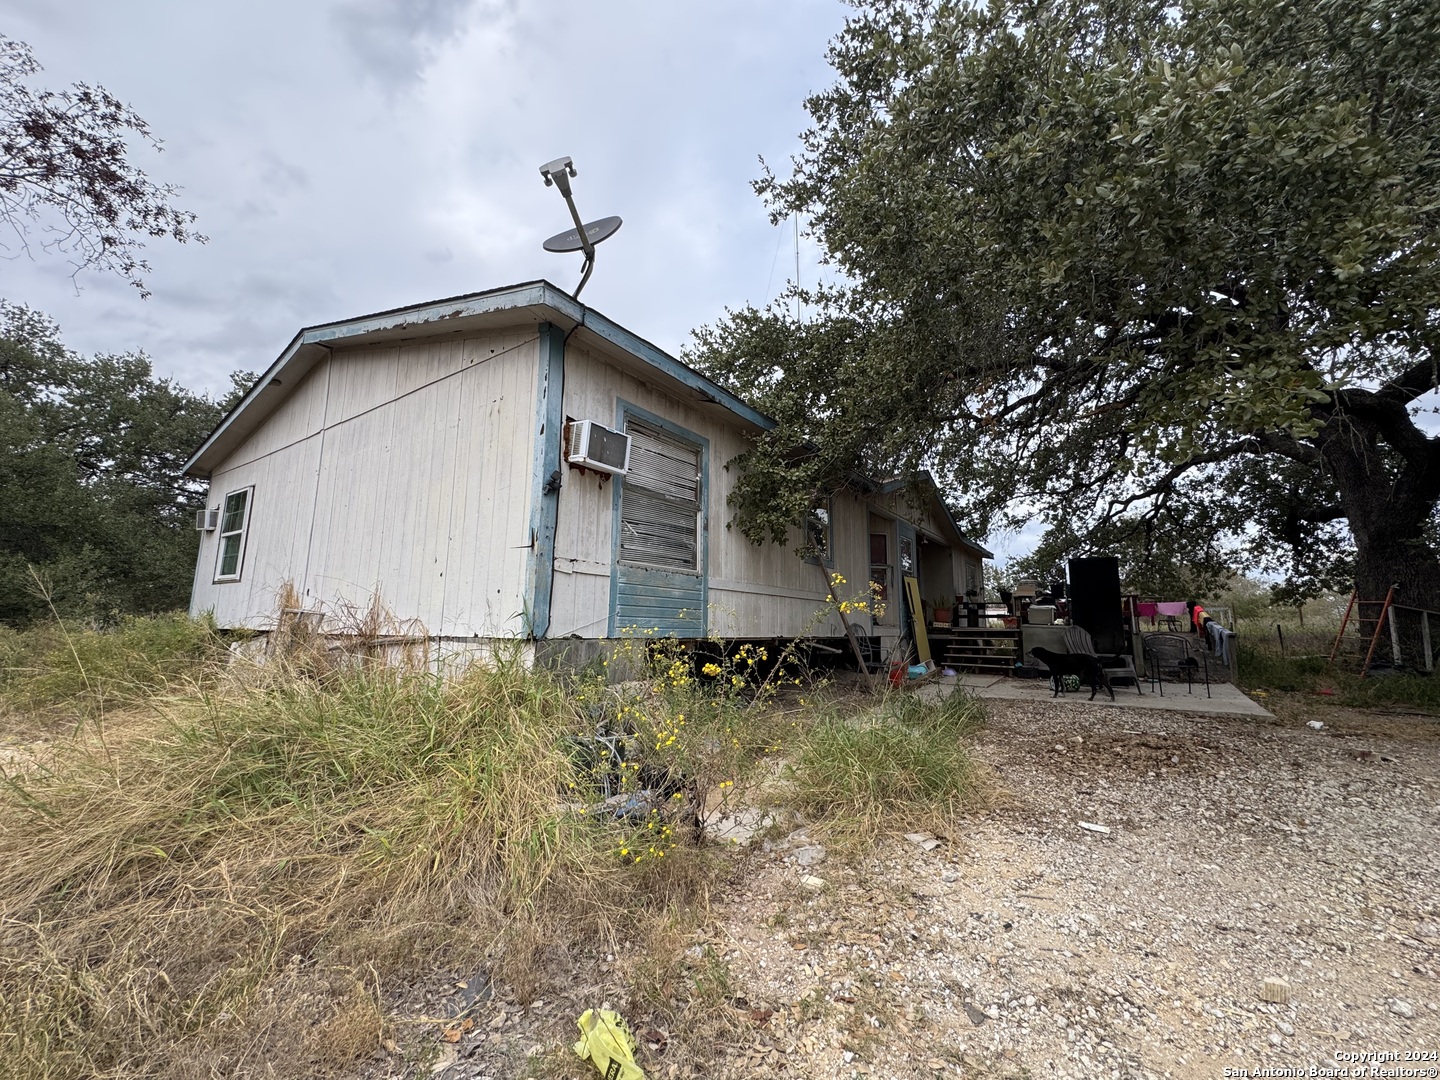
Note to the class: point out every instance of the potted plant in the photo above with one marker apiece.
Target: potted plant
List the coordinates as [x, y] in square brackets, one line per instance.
[943, 611]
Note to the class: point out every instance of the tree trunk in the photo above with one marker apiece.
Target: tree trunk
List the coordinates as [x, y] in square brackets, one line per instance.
[1388, 510]
[1413, 567]
[1387, 473]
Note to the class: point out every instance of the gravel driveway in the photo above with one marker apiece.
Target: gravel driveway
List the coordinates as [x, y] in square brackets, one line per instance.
[1237, 850]
[1029, 946]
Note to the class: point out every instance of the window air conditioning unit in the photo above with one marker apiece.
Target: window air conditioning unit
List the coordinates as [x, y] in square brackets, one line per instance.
[207, 520]
[595, 446]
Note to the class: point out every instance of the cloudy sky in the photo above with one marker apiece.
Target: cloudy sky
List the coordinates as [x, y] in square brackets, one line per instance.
[346, 156]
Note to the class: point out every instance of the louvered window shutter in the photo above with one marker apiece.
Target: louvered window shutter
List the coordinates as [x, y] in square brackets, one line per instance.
[660, 501]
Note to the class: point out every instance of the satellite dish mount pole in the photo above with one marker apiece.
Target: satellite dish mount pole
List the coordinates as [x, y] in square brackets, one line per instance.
[584, 236]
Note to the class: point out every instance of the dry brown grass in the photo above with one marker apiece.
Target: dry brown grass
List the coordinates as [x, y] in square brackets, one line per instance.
[233, 874]
[231, 884]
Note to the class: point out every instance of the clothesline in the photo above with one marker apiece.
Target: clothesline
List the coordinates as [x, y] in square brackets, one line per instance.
[1192, 612]
[1165, 609]
[1149, 609]
[1220, 639]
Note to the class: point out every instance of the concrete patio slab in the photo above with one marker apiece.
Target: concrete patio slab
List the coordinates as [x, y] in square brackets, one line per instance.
[1223, 699]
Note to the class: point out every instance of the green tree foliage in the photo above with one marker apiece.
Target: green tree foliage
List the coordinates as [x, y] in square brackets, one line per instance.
[91, 495]
[1158, 270]
[65, 171]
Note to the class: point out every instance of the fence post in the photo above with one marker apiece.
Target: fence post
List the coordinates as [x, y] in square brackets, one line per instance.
[1394, 639]
[1425, 640]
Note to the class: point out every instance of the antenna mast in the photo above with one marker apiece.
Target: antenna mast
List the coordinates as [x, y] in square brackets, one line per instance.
[583, 237]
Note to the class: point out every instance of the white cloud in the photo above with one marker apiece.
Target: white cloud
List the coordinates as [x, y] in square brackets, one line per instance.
[356, 155]
[395, 39]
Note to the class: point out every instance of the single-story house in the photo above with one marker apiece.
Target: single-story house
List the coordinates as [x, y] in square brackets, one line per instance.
[437, 457]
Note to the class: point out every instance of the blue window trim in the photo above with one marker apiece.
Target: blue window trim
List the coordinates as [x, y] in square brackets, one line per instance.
[624, 409]
[545, 504]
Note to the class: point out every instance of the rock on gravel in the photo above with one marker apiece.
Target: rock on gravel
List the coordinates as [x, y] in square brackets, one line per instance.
[1240, 851]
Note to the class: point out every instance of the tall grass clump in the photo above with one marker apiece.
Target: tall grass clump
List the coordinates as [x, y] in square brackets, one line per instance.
[60, 667]
[1262, 667]
[228, 890]
[907, 762]
[1419, 692]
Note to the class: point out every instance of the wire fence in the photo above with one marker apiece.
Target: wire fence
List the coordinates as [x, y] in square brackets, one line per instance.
[1289, 642]
[1404, 640]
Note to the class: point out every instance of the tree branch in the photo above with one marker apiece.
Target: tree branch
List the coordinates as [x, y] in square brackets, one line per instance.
[1416, 380]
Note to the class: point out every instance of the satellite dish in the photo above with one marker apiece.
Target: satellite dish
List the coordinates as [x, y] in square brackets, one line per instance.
[583, 237]
[595, 231]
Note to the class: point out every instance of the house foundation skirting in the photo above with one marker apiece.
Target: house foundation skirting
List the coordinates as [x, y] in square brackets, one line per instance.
[618, 659]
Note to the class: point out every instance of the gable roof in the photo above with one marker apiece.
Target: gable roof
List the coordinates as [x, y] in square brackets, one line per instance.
[926, 482]
[531, 301]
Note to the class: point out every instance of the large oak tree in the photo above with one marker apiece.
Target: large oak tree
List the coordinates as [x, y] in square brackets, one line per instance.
[93, 506]
[67, 175]
[1137, 265]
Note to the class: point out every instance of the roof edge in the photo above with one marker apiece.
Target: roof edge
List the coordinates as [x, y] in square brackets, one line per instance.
[434, 313]
[890, 486]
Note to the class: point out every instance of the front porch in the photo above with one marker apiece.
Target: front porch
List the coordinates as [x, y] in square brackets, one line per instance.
[1224, 699]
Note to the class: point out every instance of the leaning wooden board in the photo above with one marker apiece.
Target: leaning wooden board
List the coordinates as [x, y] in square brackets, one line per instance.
[917, 620]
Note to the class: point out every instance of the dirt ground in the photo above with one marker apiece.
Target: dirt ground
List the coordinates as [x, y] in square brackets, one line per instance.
[1028, 946]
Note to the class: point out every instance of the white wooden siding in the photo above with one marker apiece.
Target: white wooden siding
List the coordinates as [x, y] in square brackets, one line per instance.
[276, 538]
[301, 415]
[402, 472]
[755, 591]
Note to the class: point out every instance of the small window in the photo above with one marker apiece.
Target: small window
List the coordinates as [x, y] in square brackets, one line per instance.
[880, 569]
[819, 532]
[234, 522]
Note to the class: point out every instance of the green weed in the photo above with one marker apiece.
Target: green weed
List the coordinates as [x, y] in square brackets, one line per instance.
[1264, 668]
[62, 667]
[1421, 692]
[161, 891]
[906, 762]
[225, 883]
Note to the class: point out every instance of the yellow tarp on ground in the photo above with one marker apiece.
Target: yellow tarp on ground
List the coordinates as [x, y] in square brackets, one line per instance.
[607, 1044]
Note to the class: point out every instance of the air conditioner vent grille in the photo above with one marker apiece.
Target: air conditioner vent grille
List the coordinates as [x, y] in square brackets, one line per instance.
[594, 446]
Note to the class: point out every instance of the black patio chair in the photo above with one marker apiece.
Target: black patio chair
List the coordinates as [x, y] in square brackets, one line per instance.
[1118, 668]
[1174, 654]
